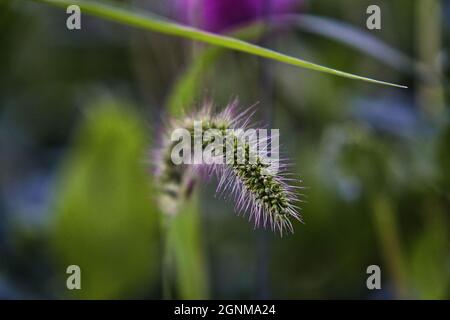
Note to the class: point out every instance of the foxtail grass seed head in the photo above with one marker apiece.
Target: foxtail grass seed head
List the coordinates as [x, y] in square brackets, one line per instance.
[245, 161]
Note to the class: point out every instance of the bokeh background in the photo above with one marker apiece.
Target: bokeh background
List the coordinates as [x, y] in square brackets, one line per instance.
[79, 115]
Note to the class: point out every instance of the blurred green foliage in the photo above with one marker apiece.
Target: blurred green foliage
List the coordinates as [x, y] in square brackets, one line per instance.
[104, 218]
[429, 259]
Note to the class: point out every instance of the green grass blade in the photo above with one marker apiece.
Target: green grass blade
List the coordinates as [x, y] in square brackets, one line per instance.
[114, 12]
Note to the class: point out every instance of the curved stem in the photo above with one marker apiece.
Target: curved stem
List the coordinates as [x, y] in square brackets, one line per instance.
[387, 231]
[167, 260]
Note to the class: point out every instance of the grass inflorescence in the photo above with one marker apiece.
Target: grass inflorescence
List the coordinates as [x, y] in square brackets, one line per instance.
[269, 197]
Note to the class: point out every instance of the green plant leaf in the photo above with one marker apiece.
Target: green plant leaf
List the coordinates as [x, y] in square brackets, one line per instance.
[104, 218]
[121, 14]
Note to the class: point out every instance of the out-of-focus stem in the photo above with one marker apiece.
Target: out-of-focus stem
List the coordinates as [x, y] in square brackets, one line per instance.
[167, 259]
[430, 94]
[387, 232]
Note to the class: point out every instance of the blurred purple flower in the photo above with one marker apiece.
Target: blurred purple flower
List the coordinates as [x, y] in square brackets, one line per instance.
[222, 15]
